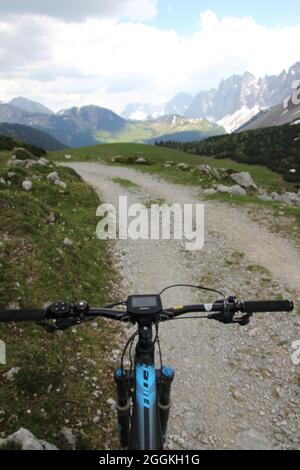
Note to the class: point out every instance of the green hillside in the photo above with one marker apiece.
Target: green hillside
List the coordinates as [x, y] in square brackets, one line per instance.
[37, 267]
[158, 159]
[9, 143]
[277, 148]
[31, 136]
[158, 156]
[144, 131]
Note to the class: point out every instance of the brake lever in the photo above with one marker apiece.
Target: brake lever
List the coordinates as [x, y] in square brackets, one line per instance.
[244, 320]
[220, 317]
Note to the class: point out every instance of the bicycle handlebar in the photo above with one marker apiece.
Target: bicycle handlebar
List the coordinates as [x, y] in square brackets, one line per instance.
[218, 310]
[268, 306]
[7, 316]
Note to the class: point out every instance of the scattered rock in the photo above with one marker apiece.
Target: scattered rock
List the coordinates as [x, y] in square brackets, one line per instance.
[61, 184]
[237, 395]
[290, 198]
[11, 174]
[264, 197]
[68, 157]
[31, 163]
[53, 177]
[118, 159]
[183, 166]
[235, 190]
[238, 191]
[43, 161]
[13, 306]
[215, 173]
[51, 218]
[27, 441]
[210, 192]
[206, 169]
[244, 179]
[68, 242]
[252, 440]
[27, 185]
[209, 171]
[47, 446]
[111, 402]
[2, 181]
[11, 374]
[141, 160]
[275, 196]
[69, 437]
[223, 189]
[16, 162]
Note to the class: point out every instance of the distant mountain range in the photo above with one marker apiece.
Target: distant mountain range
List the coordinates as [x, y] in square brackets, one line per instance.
[234, 102]
[89, 125]
[239, 102]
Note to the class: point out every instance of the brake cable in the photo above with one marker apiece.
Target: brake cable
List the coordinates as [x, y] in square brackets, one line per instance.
[208, 289]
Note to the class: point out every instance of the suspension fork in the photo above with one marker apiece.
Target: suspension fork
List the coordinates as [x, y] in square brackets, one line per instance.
[122, 381]
[165, 380]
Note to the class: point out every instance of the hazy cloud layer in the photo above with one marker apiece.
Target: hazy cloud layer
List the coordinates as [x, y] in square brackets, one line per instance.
[79, 10]
[111, 63]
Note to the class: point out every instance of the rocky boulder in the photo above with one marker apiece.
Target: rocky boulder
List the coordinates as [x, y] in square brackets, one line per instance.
[209, 171]
[238, 191]
[131, 160]
[265, 197]
[290, 198]
[54, 178]
[183, 166]
[11, 374]
[235, 190]
[26, 441]
[243, 179]
[210, 192]
[27, 185]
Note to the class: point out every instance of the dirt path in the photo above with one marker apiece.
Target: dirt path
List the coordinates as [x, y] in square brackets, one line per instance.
[234, 388]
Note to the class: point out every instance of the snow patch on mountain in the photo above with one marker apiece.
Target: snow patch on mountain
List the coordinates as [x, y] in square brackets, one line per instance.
[231, 122]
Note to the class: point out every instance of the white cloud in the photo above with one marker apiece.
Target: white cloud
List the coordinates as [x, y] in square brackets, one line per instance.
[79, 10]
[111, 63]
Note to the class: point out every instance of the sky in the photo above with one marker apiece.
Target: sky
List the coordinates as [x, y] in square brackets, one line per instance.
[113, 52]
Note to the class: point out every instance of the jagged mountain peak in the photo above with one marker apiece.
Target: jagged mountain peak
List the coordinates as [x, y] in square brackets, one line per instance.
[239, 96]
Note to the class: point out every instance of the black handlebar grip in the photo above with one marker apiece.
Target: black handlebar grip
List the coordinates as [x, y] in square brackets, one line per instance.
[268, 306]
[7, 316]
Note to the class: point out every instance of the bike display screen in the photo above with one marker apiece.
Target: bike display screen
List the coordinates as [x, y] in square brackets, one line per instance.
[149, 301]
[144, 304]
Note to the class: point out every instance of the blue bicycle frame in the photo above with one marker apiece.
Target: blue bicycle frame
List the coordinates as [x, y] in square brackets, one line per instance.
[146, 427]
[147, 393]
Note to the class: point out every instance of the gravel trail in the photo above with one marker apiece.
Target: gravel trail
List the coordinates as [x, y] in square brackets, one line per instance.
[235, 387]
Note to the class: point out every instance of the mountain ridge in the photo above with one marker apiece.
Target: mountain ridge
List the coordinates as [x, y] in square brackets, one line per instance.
[30, 106]
[91, 124]
[236, 99]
